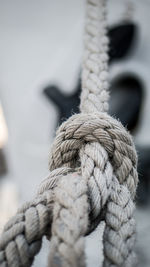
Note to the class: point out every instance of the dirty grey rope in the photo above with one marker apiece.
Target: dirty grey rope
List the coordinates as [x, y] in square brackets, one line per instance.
[92, 177]
[22, 236]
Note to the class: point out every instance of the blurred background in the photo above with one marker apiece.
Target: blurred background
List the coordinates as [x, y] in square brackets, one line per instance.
[41, 44]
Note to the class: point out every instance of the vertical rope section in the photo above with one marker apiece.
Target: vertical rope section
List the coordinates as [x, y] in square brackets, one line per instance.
[70, 223]
[118, 242]
[94, 96]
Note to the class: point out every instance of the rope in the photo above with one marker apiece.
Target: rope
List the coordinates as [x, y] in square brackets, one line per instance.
[103, 142]
[22, 236]
[92, 177]
[94, 96]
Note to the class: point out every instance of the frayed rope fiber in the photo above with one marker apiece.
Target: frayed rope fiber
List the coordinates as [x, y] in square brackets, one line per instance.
[93, 176]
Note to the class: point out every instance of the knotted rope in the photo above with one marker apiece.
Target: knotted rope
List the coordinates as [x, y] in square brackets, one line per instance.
[92, 177]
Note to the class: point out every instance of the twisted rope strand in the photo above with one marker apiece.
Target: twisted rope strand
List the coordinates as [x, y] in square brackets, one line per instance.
[119, 234]
[71, 222]
[94, 96]
[21, 239]
[22, 236]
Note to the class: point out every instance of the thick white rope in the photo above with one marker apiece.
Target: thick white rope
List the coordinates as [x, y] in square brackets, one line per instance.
[94, 96]
[107, 158]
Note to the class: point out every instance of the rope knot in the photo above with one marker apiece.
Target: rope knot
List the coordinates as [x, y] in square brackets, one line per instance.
[85, 137]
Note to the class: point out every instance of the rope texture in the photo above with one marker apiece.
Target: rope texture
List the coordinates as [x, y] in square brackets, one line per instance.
[22, 236]
[92, 177]
[94, 96]
[103, 142]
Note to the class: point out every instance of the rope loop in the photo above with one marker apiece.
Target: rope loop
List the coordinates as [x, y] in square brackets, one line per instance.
[104, 154]
[84, 136]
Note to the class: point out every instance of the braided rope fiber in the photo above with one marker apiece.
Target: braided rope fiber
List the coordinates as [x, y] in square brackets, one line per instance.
[93, 176]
